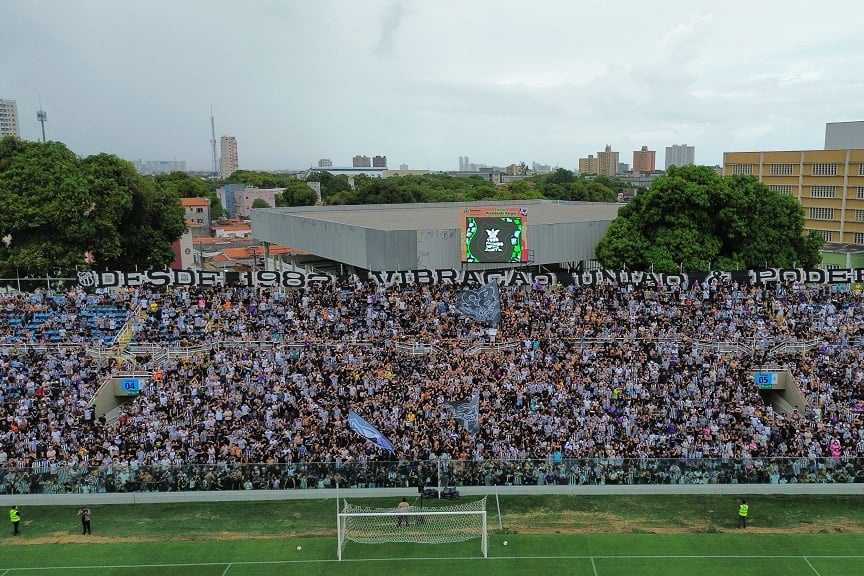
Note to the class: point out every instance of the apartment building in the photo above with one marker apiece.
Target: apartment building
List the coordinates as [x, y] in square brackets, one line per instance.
[589, 165]
[644, 160]
[829, 184]
[9, 118]
[228, 163]
[607, 162]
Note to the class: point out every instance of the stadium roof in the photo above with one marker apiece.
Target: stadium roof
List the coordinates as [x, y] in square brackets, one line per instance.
[446, 215]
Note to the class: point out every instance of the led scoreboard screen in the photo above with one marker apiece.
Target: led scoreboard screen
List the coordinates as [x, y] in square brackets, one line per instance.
[130, 386]
[494, 235]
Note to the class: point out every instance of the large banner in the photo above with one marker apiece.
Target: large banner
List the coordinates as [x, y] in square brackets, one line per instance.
[467, 412]
[509, 277]
[481, 304]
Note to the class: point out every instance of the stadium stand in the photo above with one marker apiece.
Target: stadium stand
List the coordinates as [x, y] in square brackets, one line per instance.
[581, 385]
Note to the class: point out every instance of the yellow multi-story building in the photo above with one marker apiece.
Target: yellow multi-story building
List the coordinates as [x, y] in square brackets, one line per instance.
[829, 184]
[607, 162]
[589, 165]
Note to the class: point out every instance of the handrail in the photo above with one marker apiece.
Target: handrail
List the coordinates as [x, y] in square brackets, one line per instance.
[301, 475]
[412, 346]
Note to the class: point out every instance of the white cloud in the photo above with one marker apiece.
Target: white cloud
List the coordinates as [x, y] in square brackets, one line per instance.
[425, 82]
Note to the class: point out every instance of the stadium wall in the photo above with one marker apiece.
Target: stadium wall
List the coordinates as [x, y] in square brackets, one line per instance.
[370, 248]
[834, 489]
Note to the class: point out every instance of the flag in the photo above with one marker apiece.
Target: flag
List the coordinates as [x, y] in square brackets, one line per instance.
[368, 431]
[481, 304]
[468, 412]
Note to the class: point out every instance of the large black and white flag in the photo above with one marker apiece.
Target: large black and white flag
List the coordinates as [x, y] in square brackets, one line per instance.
[481, 304]
[468, 412]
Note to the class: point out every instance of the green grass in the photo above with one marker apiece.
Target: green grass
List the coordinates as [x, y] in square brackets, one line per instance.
[595, 536]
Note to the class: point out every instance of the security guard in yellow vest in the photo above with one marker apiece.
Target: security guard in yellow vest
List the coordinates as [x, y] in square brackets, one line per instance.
[743, 509]
[15, 518]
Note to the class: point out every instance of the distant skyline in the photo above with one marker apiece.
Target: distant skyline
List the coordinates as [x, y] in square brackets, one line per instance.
[425, 82]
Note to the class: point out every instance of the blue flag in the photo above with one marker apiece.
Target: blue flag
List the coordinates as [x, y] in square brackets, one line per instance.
[368, 431]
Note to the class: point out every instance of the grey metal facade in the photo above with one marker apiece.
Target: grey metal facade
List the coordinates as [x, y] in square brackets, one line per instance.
[844, 135]
[427, 236]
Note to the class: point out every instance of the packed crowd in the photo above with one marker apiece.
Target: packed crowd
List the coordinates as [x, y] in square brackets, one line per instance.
[600, 384]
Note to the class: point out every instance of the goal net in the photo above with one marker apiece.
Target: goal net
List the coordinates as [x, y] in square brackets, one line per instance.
[421, 525]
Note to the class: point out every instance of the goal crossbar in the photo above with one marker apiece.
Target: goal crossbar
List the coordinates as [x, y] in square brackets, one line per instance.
[436, 525]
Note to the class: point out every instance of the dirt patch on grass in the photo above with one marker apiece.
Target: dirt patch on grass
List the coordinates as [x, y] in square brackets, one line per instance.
[64, 538]
[600, 523]
[537, 523]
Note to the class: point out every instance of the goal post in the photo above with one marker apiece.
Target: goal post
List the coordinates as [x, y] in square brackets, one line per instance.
[419, 525]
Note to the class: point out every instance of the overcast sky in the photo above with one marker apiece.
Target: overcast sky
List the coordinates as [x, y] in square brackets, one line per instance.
[426, 81]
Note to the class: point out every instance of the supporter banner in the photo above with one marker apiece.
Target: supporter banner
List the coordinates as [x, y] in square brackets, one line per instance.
[467, 412]
[368, 431]
[509, 277]
[481, 304]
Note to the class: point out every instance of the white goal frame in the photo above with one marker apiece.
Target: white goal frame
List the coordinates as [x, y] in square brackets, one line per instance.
[412, 531]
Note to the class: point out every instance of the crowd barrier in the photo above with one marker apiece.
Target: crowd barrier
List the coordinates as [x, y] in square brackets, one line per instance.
[433, 474]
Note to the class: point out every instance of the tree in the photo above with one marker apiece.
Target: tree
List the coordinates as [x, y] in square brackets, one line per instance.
[260, 203]
[258, 179]
[693, 219]
[185, 186]
[330, 184]
[63, 214]
[297, 193]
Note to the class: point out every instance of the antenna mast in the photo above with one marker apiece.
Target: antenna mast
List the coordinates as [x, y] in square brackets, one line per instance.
[213, 142]
[42, 117]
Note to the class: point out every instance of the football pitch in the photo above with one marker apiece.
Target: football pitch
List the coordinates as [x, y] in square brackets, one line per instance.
[592, 536]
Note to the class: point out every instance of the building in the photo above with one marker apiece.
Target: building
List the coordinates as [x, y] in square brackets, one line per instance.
[183, 247]
[228, 161]
[538, 168]
[623, 168]
[644, 160]
[427, 236]
[514, 170]
[9, 119]
[639, 179]
[361, 162]
[589, 165]
[403, 167]
[404, 172]
[463, 163]
[844, 135]
[829, 184]
[238, 199]
[197, 211]
[226, 195]
[325, 163]
[379, 162]
[351, 172]
[153, 167]
[680, 155]
[607, 162]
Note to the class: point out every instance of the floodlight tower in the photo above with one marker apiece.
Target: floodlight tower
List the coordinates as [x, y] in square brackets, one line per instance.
[42, 117]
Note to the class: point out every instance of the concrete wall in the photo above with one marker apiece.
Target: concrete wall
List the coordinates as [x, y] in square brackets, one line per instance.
[375, 249]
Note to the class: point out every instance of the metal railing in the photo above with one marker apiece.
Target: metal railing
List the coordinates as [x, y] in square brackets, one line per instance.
[434, 474]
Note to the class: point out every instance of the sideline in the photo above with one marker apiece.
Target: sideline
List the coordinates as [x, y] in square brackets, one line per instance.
[846, 489]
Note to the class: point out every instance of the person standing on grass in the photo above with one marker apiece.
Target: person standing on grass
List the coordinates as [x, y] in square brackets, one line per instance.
[743, 510]
[84, 513]
[403, 510]
[15, 518]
